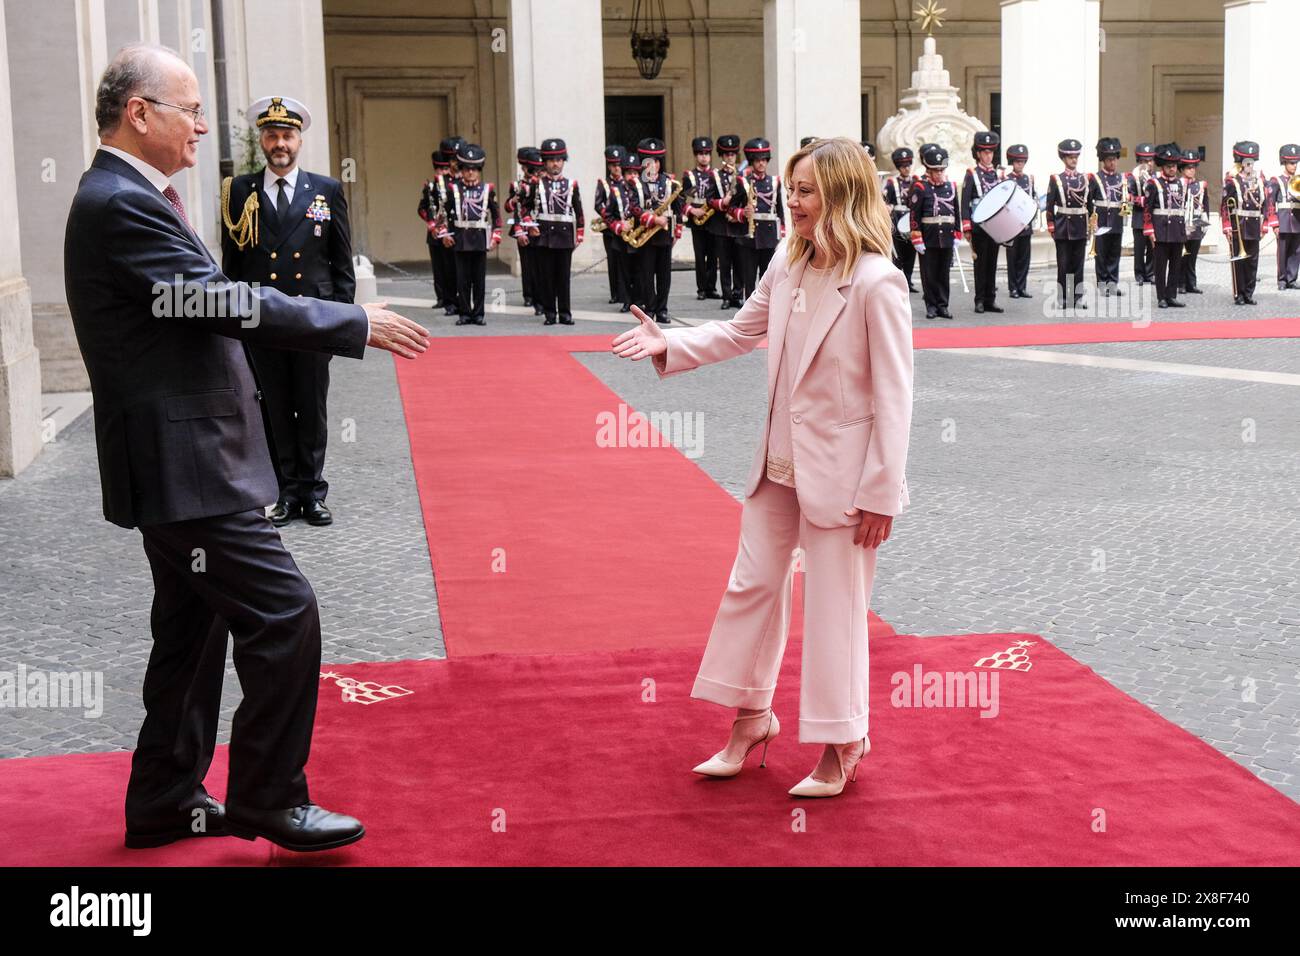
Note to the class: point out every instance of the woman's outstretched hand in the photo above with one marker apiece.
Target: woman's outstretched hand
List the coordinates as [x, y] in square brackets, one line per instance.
[645, 340]
[873, 531]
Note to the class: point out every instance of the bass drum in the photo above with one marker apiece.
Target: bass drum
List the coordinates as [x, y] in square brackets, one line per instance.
[904, 225]
[1004, 211]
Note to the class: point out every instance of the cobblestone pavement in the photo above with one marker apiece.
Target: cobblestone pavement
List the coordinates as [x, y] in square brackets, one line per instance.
[1119, 513]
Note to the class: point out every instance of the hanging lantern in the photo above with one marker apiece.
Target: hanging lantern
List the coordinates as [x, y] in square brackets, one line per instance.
[649, 37]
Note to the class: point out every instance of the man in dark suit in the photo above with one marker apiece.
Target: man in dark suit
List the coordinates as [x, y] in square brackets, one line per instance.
[183, 456]
[288, 229]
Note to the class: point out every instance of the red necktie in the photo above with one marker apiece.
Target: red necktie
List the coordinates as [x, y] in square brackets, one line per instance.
[174, 198]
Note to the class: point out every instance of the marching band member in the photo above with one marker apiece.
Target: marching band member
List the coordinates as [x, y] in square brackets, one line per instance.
[1068, 208]
[1241, 209]
[984, 249]
[614, 263]
[1106, 189]
[896, 193]
[1143, 265]
[1018, 253]
[522, 227]
[1197, 194]
[765, 222]
[472, 229]
[626, 199]
[557, 208]
[697, 184]
[1284, 219]
[723, 231]
[935, 209]
[1163, 217]
[656, 256]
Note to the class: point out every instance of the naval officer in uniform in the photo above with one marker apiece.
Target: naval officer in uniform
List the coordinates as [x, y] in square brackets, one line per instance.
[287, 228]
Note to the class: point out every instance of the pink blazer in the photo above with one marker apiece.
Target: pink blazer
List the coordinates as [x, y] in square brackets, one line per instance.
[851, 403]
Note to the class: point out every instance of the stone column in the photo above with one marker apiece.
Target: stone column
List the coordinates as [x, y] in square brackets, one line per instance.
[57, 53]
[1051, 62]
[20, 366]
[1256, 71]
[557, 86]
[812, 72]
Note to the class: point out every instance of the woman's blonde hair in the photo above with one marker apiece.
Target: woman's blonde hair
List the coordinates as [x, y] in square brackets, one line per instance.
[854, 217]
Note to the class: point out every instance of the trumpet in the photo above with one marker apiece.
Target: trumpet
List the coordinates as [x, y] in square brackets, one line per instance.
[1293, 187]
[597, 224]
[1092, 228]
[638, 236]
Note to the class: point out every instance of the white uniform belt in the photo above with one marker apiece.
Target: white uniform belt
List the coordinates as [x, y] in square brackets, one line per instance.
[1107, 204]
[899, 208]
[1168, 212]
[1286, 205]
[766, 216]
[1247, 213]
[937, 220]
[1071, 210]
[471, 224]
[555, 216]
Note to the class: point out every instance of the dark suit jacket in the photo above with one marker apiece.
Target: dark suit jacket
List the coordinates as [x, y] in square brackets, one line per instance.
[178, 420]
[301, 262]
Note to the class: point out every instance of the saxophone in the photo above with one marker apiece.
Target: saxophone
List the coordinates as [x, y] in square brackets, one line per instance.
[708, 212]
[637, 236]
[751, 206]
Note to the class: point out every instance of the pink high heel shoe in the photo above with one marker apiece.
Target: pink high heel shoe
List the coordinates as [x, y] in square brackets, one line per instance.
[810, 787]
[716, 766]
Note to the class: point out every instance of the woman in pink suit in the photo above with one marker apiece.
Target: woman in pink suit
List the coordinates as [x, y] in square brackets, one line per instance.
[829, 472]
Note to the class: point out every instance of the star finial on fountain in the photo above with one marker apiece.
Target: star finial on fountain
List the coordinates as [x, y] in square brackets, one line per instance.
[931, 16]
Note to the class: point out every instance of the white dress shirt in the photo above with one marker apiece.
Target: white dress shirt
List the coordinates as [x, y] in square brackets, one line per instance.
[151, 173]
[272, 191]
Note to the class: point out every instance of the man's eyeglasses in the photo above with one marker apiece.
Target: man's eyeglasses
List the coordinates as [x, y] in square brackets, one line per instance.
[198, 113]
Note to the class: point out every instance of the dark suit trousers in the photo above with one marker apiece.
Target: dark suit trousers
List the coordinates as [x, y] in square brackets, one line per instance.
[295, 386]
[904, 256]
[554, 277]
[706, 260]
[1018, 255]
[936, 275]
[985, 267]
[528, 273]
[1109, 247]
[1187, 267]
[1288, 257]
[1246, 269]
[615, 263]
[1070, 256]
[1144, 269]
[250, 587]
[747, 257]
[442, 290]
[471, 278]
[723, 248]
[656, 262]
[1166, 258]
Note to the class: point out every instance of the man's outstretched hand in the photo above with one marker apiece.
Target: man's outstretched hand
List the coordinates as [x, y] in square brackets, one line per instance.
[645, 340]
[395, 333]
[873, 529]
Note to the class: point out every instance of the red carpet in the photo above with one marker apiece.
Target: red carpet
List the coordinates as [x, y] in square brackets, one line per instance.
[585, 772]
[614, 562]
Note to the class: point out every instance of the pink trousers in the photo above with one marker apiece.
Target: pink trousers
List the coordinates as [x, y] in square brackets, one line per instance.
[743, 656]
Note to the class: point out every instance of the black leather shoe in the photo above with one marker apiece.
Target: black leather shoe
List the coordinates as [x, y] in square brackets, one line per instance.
[1248, 300]
[1013, 294]
[480, 320]
[566, 320]
[662, 319]
[912, 288]
[316, 513]
[1193, 291]
[712, 295]
[701, 296]
[626, 308]
[550, 320]
[210, 823]
[1162, 304]
[990, 307]
[302, 829]
[1025, 295]
[463, 320]
[284, 512]
[929, 313]
[450, 310]
[1236, 299]
[1175, 304]
[945, 314]
[538, 310]
[979, 308]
